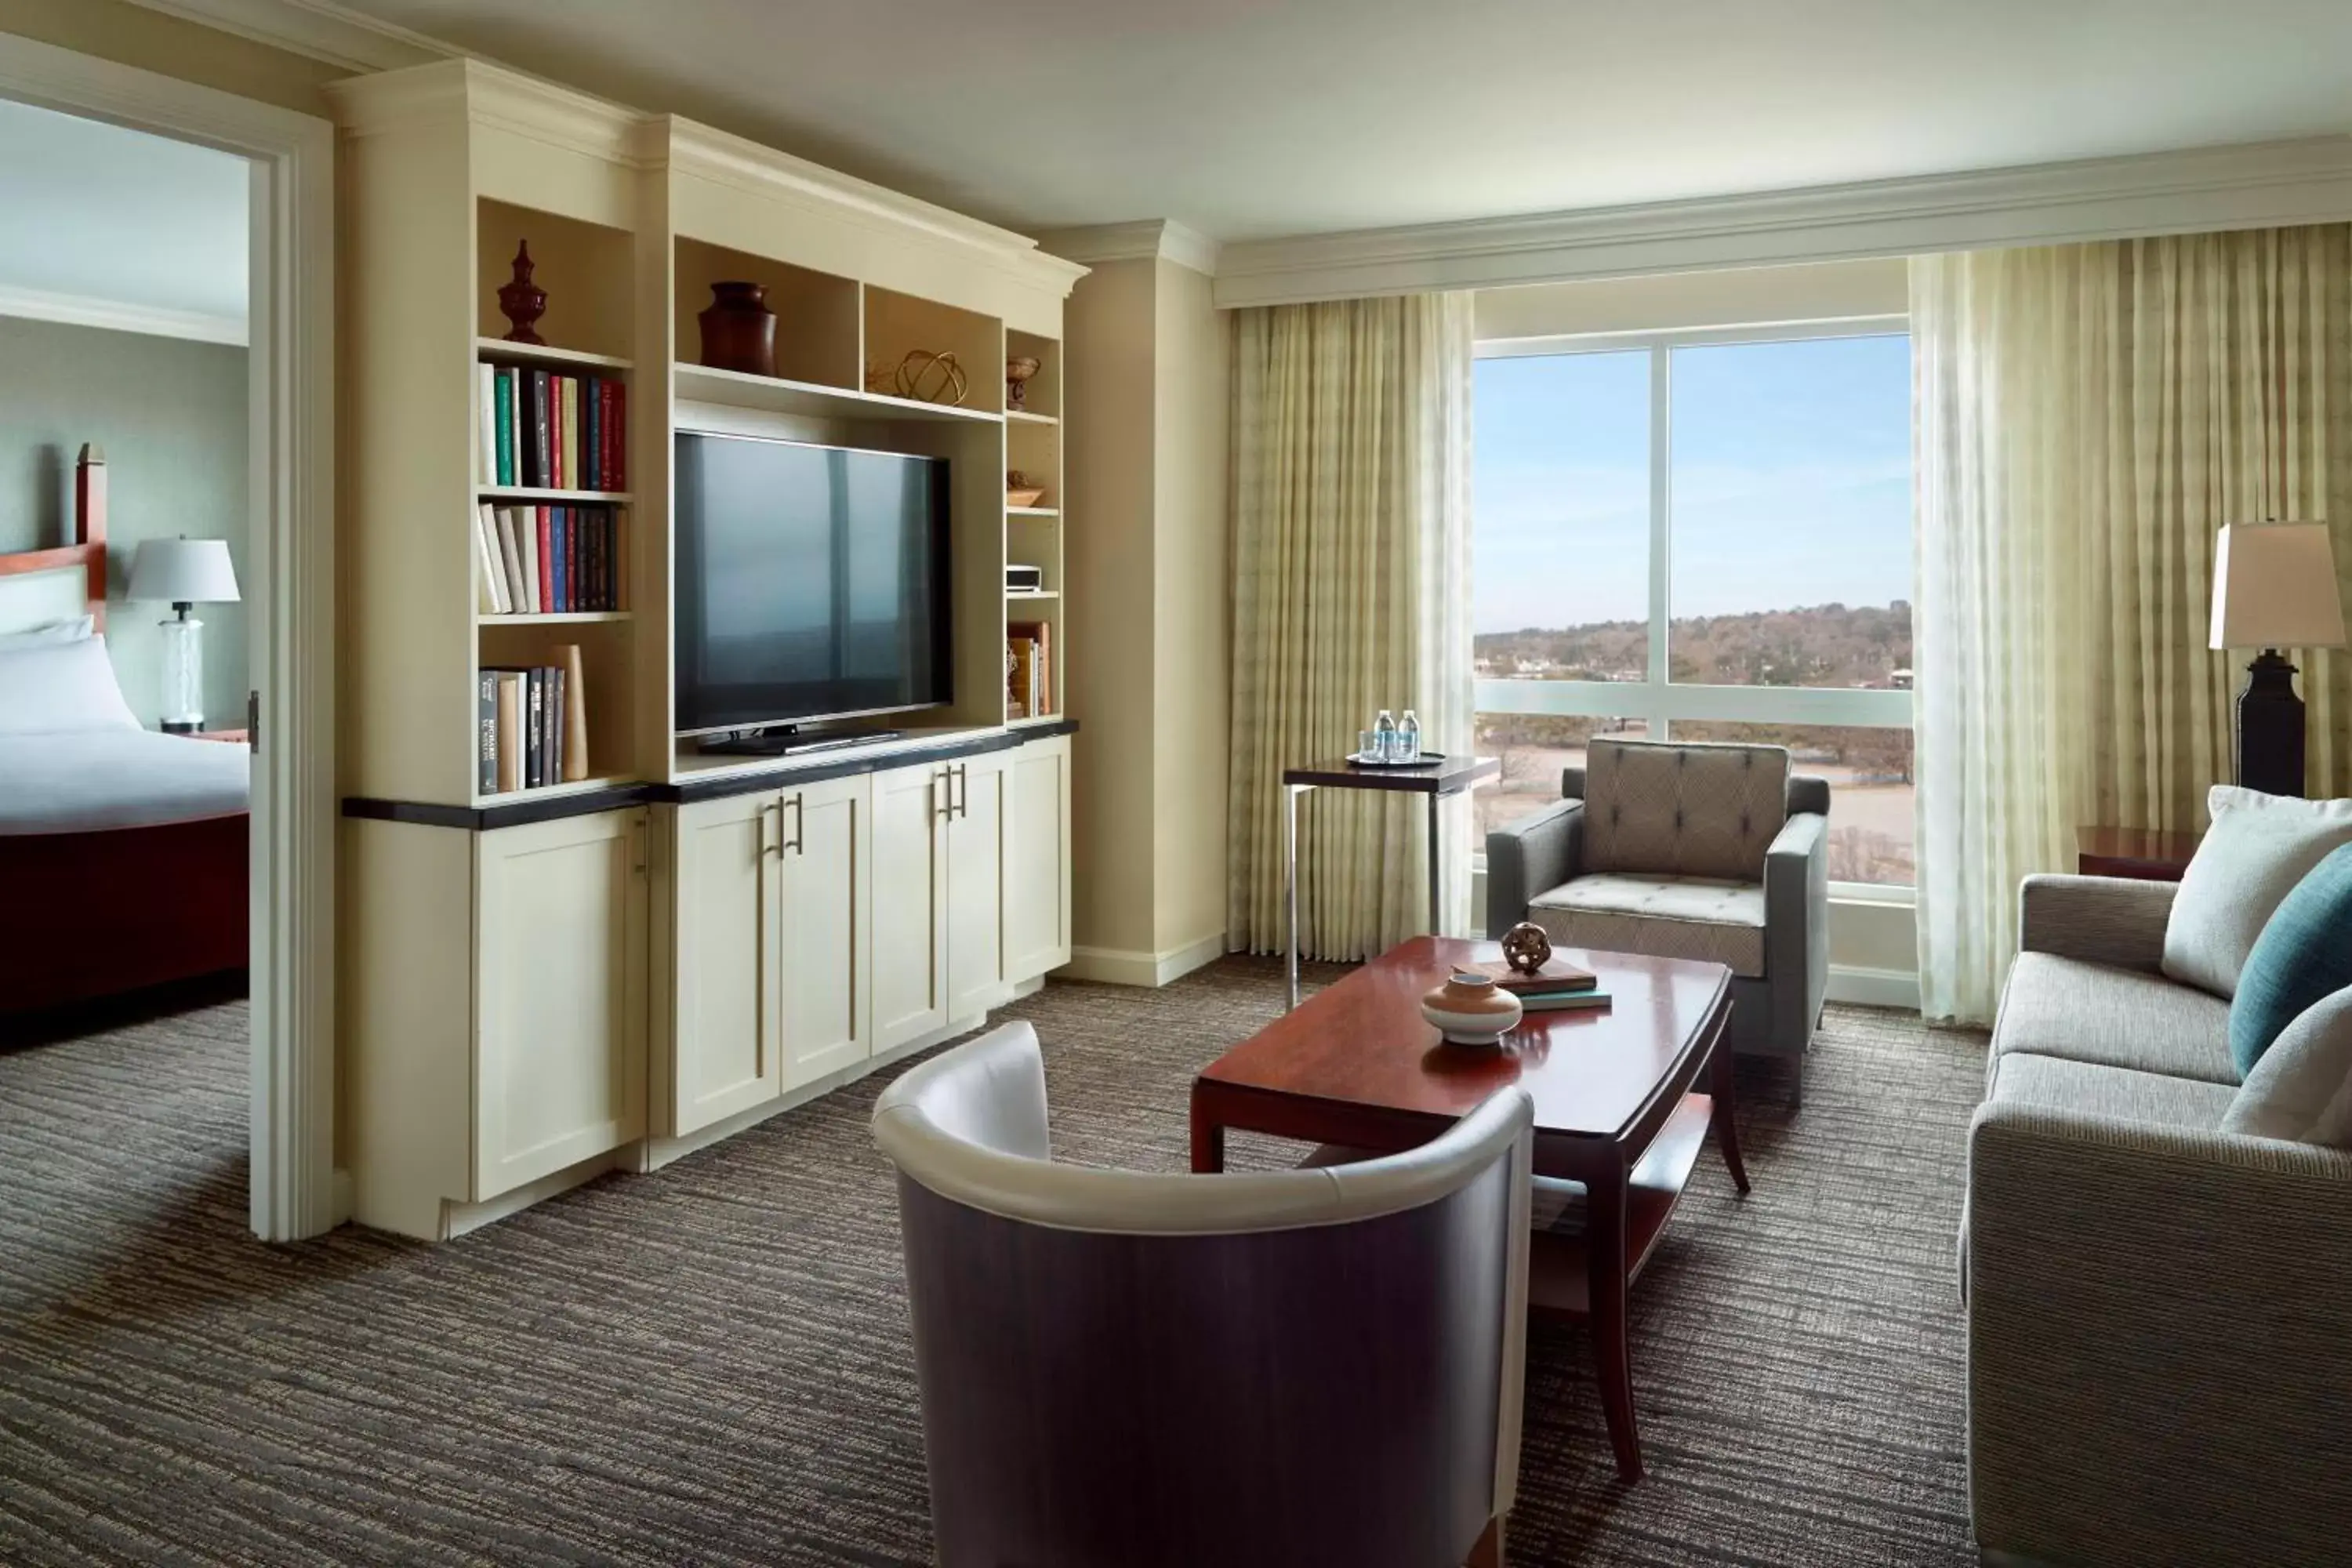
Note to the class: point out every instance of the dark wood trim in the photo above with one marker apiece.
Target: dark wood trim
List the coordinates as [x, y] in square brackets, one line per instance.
[531, 808]
[2142, 854]
[112, 910]
[88, 550]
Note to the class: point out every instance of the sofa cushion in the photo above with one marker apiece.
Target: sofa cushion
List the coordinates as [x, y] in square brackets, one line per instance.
[2302, 1089]
[1664, 916]
[2114, 1017]
[2304, 954]
[1683, 811]
[2259, 848]
[2095, 1089]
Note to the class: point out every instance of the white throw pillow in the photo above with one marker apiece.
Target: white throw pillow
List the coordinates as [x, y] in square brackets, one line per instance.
[62, 687]
[2301, 1086]
[48, 635]
[2259, 848]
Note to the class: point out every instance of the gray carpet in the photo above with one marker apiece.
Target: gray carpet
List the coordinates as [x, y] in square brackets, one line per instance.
[711, 1364]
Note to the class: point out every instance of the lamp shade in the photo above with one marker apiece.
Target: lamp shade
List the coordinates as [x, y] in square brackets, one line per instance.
[2274, 586]
[182, 572]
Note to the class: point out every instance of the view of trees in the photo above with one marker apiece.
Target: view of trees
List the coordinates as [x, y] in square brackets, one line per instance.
[1822, 645]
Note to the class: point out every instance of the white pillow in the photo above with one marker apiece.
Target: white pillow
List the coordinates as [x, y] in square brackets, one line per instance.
[2302, 1088]
[2259, 848]
[55, 632]
[62, 687]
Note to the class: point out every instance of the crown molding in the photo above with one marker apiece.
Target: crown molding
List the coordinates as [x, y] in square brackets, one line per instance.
[315, 29]
[2257, 185]
[114, 316]
[1145, 238]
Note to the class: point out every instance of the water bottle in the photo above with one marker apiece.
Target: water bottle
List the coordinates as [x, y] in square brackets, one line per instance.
[1384, 733]
[1408, 739]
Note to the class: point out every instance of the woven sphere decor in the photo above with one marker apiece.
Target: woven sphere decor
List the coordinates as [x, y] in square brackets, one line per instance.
[931, 377]
[1527, 947]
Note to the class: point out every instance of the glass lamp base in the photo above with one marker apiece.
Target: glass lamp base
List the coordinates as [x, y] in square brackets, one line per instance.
[183, 674]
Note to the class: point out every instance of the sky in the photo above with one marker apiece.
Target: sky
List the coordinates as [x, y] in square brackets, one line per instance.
[1789, 481]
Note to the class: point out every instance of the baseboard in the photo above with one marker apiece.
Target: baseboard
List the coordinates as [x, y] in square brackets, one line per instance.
[1128, 966]
[1874, 987]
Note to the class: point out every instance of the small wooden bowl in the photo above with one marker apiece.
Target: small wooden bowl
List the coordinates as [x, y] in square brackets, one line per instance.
[1023, 497]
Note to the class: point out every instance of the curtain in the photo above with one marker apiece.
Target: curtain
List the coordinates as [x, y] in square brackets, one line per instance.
[1352, 517]
[2086, 418]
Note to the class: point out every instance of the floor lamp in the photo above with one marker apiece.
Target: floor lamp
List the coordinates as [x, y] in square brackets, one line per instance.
[2273, 587]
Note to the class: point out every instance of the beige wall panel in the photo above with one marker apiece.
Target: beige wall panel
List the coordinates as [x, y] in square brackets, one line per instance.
[533, 173]
[135, 35]
[1669, 301]
[1192, 636]
[1107, 559]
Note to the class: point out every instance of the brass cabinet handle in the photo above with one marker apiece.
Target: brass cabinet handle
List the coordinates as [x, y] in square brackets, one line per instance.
[798, 842]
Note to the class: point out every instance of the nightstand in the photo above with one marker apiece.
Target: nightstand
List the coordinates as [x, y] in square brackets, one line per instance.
[236, 736]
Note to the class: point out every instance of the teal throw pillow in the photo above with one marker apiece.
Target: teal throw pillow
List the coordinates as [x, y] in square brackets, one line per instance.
[2304, 953]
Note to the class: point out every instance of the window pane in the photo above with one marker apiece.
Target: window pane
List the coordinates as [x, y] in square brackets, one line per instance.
[1869, 770]
[1534, 748]
[1560, 541]
[1790, 509]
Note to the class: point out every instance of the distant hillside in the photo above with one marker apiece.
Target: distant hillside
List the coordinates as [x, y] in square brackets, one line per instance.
[1823, 645]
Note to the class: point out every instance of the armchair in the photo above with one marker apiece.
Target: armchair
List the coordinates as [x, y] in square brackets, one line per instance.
[1316, 1366]
[1685, 851]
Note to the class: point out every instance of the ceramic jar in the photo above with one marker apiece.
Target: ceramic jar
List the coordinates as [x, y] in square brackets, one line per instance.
[738, 331]
[1471, 1010]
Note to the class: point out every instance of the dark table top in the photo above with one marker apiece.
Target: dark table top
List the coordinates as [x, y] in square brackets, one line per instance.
[1449, 776]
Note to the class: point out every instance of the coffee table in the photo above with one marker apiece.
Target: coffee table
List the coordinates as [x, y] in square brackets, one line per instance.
[1355, 1066]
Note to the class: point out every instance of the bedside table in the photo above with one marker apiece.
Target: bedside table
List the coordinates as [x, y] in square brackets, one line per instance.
[2143, 854]
[236, 737]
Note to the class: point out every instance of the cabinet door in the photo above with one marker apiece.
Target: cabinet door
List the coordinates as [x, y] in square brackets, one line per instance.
[975, 866]
[825, 865]
[560, 979]
[725, 1053]
[909, 914]
[1037, 859]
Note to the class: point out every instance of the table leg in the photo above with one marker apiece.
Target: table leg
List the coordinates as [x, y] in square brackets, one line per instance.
[1605, 1285]
[1723, 1121]
[1290, 794]
[1437, 873]
[1208, 1140]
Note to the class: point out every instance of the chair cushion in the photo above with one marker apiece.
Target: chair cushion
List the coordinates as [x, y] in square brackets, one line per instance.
[2054, 1083]
[1683, 811]
[1664, 916]
[2258, 849]
[2302, 1089]
[2114, 1018]
[2304, 954]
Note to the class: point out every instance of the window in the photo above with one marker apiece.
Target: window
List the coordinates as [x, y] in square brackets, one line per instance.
[1701, 536]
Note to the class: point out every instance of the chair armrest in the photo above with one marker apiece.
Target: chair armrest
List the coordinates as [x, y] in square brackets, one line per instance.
[2157, 1366]
[2113, 921]
[1796, 923]
[1532, 856]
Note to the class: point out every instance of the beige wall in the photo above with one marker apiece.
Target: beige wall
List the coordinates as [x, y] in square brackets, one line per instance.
[1742, 297]
[135, 35]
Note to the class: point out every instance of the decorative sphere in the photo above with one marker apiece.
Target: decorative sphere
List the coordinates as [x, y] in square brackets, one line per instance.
[1527, 947]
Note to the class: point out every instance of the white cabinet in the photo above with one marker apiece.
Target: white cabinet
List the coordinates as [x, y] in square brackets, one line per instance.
[1037, 858]
[560, 1051]
[823, 860]
[910, 909]
[726, 1050]
[976, 818]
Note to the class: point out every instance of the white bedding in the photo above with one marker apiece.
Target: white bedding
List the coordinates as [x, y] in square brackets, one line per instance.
[77, 780]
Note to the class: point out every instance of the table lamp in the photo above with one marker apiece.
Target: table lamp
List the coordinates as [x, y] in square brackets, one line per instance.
[2273, 587]
[181, 573]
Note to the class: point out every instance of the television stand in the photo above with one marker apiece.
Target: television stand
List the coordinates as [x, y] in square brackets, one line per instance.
[788, 741]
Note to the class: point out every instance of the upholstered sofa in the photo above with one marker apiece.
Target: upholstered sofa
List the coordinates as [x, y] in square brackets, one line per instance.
[2160, 1313]
[1685, 851]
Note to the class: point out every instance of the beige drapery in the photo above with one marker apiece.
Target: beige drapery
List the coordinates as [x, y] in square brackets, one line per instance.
[2087, 418]
[1352, 502]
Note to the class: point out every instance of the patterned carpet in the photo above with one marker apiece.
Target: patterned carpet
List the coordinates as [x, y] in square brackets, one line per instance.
[711, 1364]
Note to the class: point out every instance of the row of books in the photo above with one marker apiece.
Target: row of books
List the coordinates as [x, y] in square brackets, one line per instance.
[534, 726]
[553, 431]
[550, 560]
[1030, 645]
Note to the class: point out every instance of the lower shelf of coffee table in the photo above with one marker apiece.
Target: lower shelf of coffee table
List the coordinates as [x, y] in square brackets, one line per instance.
[1557, 1280]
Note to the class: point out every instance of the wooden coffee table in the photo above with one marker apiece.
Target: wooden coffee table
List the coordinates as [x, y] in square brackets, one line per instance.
[1615, 1109]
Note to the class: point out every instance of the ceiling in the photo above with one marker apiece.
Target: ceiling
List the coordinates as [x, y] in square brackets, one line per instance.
[96, 212]
[1249, 118]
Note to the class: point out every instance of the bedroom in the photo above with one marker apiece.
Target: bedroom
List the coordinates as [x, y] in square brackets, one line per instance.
[123, 534]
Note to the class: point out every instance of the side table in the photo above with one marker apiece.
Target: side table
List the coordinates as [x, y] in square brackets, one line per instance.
[2143, 854]
[1437, 780]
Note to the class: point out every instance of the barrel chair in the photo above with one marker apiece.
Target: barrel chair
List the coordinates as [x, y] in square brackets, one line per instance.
[1313, 1368]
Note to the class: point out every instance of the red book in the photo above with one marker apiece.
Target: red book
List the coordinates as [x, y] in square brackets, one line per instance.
[618, 434]
[603, 416]
[546, 556]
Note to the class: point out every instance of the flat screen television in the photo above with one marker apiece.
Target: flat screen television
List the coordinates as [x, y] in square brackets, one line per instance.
[811, 582]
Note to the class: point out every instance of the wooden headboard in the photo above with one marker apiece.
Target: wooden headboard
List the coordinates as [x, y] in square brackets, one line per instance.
[35, 586]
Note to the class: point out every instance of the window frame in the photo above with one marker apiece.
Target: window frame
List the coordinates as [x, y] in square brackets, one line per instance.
[1657, 698]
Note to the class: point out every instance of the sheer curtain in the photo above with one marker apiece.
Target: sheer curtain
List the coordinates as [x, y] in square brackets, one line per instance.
[2086, 418]
[1351, 518]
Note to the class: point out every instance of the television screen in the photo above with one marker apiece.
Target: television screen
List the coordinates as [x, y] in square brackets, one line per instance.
[812, 582]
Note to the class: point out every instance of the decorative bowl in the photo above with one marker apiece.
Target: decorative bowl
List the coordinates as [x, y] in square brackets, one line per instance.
[1471, 1010]
[1020, 490]
[1017, 372]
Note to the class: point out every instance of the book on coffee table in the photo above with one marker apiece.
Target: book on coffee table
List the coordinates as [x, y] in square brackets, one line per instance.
[1563, 1001]
[1557, 975]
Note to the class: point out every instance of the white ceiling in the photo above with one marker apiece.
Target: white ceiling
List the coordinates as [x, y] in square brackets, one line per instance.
[1247, 119]
[96, 213]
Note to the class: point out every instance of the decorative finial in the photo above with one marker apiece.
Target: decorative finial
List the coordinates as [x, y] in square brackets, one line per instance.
[523, 301]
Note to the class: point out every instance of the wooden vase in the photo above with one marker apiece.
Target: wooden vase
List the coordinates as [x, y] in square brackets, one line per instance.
[738, 331]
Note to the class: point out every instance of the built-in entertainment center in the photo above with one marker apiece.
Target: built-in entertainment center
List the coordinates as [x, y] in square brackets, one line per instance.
[814, 810]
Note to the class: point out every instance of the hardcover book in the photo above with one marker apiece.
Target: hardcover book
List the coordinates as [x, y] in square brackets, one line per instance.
[1557, 975]
[502, 387]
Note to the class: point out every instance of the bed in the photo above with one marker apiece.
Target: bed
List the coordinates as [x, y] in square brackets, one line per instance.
[123, 852]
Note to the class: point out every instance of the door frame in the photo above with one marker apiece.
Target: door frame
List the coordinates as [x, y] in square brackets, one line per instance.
[290, 361]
